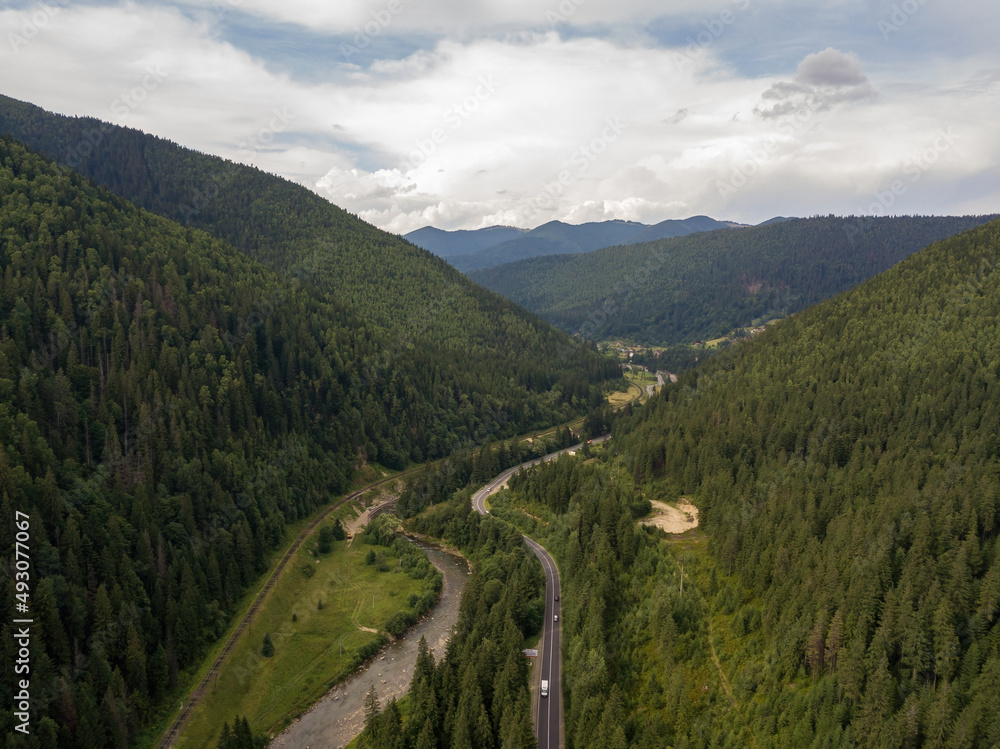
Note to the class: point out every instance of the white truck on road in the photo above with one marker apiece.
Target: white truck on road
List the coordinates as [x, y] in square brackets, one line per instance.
[545, 688]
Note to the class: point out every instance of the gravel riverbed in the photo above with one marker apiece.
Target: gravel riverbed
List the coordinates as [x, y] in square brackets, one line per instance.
[339, 716]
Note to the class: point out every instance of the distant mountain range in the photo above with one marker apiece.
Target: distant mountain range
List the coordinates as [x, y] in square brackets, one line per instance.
[700, 287]
[497, 245]
[449, 244]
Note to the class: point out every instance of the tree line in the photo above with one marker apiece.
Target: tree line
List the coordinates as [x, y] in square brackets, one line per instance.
[167, 407]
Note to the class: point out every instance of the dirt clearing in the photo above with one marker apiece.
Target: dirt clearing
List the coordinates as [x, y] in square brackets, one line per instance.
[679, 519]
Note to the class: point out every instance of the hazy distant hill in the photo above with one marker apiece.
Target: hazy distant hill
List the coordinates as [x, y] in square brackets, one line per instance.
[558, 238]
[448, 244]
[776, 220]
[705, 285]
[679, 228]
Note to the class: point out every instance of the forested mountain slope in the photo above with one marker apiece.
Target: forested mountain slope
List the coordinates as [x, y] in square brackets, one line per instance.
[846, 464]
[706, 285]
[422, 303]
[167, 407]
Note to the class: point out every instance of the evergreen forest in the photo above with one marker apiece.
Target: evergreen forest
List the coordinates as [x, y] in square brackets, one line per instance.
[843, 588]
[168, 406]
[707, 285]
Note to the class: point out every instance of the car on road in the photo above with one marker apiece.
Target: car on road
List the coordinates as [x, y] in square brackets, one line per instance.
[557, 617]
[557, 596]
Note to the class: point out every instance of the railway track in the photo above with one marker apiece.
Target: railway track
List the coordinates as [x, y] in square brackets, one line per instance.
[178, 725]
[196, 696]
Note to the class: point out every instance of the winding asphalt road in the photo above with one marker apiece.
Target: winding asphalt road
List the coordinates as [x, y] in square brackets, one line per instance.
[549, 711]
[659, 383]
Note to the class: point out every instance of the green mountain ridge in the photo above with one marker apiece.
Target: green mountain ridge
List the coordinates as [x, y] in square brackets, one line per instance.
[846, 466]
[417, 299]
[169, 405]
[706, 285]
[157, 435]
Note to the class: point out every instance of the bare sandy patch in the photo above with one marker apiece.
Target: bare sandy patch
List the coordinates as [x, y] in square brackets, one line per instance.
[679, 519]
[370, 502]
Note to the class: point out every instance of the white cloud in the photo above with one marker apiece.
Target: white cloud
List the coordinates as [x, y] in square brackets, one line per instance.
[824, 80]
[368, 18]
[525, 127]
[831, 68]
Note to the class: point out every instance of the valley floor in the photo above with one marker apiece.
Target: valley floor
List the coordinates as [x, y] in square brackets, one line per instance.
[336, 719]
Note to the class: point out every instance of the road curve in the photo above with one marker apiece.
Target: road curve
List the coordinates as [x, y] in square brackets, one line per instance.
[479, 498]
[549, 720]
[659, 383]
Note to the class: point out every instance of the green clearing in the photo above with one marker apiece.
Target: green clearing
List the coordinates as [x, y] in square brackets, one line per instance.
[346, 512]
[640, 376]
[308, 658]
[189, 680]
[618, 399]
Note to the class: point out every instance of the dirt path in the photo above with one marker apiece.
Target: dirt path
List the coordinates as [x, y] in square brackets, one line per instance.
[725, 683]
[718, 667]
[679, 519]
[187, 708]
[354, 525]
[357, 610]
[533, 517]
[340, 715]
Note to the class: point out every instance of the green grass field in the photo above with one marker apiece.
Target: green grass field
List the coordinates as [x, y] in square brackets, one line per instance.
[641, 376]
[307, 660]
[620, 399]
[200, 729]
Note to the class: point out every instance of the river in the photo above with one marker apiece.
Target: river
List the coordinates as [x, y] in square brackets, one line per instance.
[340, 715]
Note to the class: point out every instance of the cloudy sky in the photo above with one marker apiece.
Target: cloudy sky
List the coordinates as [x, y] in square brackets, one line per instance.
[471, 113]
